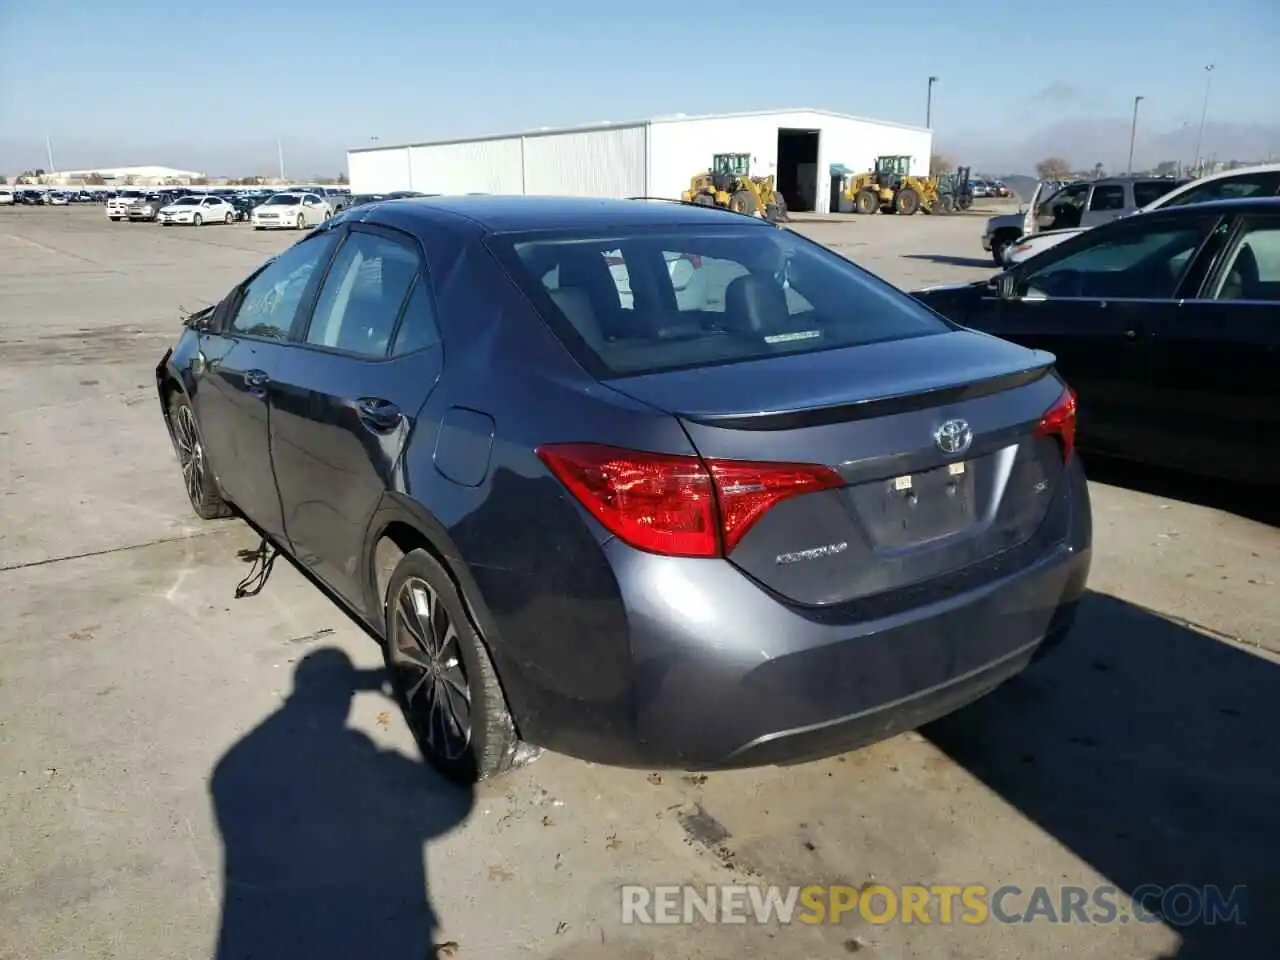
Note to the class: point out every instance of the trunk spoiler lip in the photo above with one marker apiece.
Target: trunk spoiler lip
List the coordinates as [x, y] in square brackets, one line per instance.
[928, 396]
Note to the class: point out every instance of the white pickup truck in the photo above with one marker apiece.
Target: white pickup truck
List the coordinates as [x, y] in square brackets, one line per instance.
[118, 206]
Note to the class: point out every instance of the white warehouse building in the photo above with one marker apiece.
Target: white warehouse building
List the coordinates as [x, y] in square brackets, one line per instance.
[645, 158]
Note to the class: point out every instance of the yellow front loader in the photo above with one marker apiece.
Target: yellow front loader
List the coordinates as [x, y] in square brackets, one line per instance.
[729, 184]
[889, 188]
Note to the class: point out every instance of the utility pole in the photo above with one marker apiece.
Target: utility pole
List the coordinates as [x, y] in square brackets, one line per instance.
[280, 154]
[928, 104]
[1133, 131]
[1204, 112]
[48, 149]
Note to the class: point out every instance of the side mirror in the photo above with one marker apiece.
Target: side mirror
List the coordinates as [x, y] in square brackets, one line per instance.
[1007, 286]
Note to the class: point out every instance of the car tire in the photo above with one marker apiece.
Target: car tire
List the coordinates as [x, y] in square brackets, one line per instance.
[302, 222]
[442, 675]
[866, 202]
[229, 219]
[197, 221]
[202, 488]
[998, 247]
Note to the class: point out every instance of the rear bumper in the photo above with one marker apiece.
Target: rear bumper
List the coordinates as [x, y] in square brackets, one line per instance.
[702, 668]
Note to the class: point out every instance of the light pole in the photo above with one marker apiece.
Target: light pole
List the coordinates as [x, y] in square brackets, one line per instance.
[280, 155]
[928, 104]
[1133, 131]
[1204, 112]
[48, 149]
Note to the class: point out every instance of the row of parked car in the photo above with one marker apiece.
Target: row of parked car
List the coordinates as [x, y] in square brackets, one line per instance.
[298, 208]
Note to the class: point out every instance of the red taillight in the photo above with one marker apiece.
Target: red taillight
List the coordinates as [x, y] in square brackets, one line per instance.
[677, 505]
[1060, 421]
[695, 259]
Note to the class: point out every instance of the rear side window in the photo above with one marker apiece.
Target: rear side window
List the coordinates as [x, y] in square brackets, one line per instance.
[658, 300]
[1109, 196]
[1230, 188]
[363, 295]
[1149, 191]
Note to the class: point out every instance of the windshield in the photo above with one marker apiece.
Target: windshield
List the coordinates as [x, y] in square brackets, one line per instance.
[186, 202]
[645, 302]
[285, 200]
[130, 194]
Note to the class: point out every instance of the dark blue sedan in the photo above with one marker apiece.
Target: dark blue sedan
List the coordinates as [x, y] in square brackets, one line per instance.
[645, 483]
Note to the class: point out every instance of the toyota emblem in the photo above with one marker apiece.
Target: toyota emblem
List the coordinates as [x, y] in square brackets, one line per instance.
[953, 437]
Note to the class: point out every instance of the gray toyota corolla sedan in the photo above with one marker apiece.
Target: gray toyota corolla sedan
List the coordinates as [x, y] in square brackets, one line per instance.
[644, 483]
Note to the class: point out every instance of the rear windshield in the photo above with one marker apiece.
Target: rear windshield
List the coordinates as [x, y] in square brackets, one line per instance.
[647, 301]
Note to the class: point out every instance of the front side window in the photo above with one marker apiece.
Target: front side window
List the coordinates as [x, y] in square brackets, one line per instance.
[363, 295]
[1253, 265]
[1141, 260]
[271, 300]
[654, 300]
[1108, 196]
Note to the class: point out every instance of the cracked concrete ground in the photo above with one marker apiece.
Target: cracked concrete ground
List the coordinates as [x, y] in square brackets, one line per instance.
[151, 751]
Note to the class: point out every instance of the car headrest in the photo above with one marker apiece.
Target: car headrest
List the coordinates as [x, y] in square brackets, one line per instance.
[756, 305]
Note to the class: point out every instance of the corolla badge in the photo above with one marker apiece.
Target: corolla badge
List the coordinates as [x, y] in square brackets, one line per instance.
[953, 437]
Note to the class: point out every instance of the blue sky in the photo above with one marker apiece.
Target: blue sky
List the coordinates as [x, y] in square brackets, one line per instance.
[200, 88]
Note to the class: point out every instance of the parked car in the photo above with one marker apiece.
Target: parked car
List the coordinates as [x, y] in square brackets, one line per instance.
[292, 211]
[118, 206]
[802, 515]
[337, 198]
[6, 197]
[196, 210]
[149, 206]
[1164, 323]
[1258, 181]
[243, 204]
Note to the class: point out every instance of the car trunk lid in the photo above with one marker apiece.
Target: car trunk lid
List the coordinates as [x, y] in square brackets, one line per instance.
[935, 439]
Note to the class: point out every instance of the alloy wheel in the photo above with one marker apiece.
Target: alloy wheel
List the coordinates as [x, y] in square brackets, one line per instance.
[190, 453]
[426, 655]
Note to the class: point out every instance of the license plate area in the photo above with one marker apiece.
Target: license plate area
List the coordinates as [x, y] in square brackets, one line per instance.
[912, 508]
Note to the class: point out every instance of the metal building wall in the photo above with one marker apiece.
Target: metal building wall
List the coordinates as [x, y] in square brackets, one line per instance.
[589, 163]
[378, 171]
[469, 166]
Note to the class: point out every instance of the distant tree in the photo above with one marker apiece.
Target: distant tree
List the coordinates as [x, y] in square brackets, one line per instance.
[39, 171]
[199, 181]
[95, 179]
[1099, 171]
[1053, 168]
[342, 179]
[940, 164]
[4, 181]
[1166, 168]
[130, 181]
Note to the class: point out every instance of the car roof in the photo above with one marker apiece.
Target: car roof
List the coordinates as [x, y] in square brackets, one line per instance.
[1233, 207]
[513, 214]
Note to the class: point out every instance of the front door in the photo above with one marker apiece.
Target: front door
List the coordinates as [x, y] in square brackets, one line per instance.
[240, 362]
[1093, 302]
[348, 399]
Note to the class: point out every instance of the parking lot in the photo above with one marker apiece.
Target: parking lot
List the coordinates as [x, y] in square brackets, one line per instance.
[140, 703]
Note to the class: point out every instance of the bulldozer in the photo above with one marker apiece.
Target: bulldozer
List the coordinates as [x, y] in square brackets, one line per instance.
[728, 183]
[890, 188]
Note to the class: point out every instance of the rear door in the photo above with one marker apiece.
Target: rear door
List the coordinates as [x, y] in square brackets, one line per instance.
[240, 362]
[1106, 202]
[349, 397]
[1216, 394]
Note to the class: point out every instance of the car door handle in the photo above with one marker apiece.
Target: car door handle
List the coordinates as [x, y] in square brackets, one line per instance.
[255, 381]
[377, 414]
